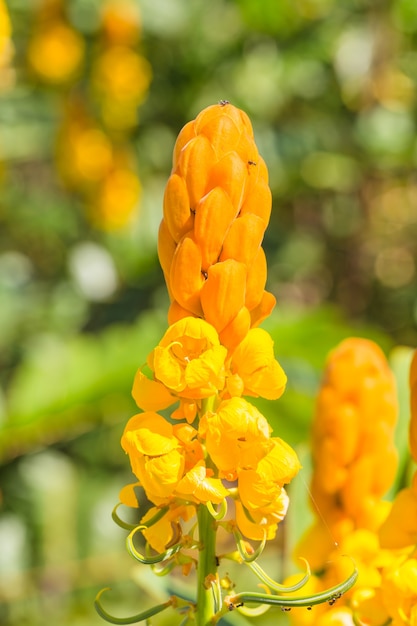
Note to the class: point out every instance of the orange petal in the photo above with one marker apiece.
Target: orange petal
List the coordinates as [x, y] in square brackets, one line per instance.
[258, 201]
[186, 134]
[186, 279]
[236, 330]
[244, 238]
[224, 109]
[264, 308]
[230, 172]
[213, 216]
[223, 293]
[256, 279]
[177, 214]
[166, 250]
[195, 162]
[176, 312]
[221, 130]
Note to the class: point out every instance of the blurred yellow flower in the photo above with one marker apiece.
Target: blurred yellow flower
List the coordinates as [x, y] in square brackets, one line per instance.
[56, 52]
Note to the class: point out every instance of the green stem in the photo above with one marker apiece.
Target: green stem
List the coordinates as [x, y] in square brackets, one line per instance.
[207, 568]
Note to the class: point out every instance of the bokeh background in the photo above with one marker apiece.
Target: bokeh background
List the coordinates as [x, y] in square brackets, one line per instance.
[92, 96]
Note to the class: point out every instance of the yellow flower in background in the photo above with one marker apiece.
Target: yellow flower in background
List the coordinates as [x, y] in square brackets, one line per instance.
[56, 52]
[354, 455]
[216, 207]
[121, 21]
[399, 590]
[5, 30]
[413, 407]
[121, 78]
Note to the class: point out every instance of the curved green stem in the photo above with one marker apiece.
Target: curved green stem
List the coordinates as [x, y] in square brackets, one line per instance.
[139, 617]
[329, 595]
[150, 560]
[269, 582]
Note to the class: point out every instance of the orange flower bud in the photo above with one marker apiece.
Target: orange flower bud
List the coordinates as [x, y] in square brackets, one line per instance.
[217, 205]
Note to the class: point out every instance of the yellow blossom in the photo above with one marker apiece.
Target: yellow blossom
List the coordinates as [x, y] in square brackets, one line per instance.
[189, 360]
[254, 364]
[199, 486]
[399, 589]
[56, 52]
[227, 432]
[162, 532]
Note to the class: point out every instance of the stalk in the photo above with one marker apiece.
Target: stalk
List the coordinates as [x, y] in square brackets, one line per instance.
[207, 568]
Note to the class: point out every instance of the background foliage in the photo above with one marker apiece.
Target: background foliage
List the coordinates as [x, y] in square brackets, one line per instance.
[92, 99]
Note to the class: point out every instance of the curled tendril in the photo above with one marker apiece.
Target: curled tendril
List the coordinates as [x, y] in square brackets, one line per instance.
[328, 595]
[216, 591]
[240, 544]
[271, 584]
[255, 611]
[139, 617]
[149, 560]
[221, 511]
[127, 526]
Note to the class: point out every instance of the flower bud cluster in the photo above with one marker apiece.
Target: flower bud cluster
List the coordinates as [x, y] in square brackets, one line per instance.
[217, 205]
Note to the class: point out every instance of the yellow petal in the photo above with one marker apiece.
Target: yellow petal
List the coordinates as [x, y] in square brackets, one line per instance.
[128, 497]
[148, 434]
[151, 395]
[253, 360]
[400, 528]
[201, 488]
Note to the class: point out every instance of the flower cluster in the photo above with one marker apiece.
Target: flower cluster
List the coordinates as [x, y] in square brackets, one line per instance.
[216, 435]
[217, 205]
[380, 536]
[95, 158]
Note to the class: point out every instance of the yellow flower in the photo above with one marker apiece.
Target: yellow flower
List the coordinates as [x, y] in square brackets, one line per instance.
[198, 486]
[161, 533]
[235, 426]
[56, 52]
[355, 458]
[400, 528]
[189, 359]
[155, 454]
[399, 589]
[254, 364]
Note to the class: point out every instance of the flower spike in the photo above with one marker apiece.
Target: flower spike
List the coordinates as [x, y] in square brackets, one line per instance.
[139, 617]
